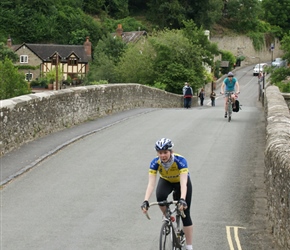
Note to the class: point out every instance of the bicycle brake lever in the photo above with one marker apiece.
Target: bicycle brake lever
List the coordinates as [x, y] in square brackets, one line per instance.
[181, 212]
[147, 215]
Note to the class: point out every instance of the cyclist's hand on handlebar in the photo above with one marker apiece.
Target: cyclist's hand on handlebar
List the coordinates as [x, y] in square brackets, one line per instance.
[145, 206]
[183, 204]
[238, 92]
[222, 93]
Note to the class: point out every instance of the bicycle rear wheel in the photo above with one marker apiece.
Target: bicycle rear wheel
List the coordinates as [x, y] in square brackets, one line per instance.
[165, 242]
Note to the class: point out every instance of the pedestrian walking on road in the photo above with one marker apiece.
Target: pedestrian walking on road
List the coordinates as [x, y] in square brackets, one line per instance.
[212, 98]
[201, 96]
[187, 95]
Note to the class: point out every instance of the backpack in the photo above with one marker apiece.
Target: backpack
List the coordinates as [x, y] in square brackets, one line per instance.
[237, 106]
[188, 91]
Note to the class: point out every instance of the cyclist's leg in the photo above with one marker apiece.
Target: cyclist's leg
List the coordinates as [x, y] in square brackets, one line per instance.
[187, 222]
[233, 100]
[164, 188]
[226, 106]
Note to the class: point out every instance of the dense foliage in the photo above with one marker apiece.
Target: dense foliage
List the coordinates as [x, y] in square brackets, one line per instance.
[11, 82]
[281, 76]
[64, 21]
[166, 59]
[276, 12]
[176, 48]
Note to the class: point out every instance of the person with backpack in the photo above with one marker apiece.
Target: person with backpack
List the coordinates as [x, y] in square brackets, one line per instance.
[187, 95]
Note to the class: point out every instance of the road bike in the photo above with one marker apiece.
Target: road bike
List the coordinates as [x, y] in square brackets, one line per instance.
[230, 104]
[171, 235]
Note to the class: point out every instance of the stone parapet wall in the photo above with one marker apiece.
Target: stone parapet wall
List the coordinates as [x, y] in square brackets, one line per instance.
[277, 163]
[29, 117]
[287, 99]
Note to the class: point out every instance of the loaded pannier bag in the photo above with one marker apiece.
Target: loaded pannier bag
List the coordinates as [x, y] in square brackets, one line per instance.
[237, 108]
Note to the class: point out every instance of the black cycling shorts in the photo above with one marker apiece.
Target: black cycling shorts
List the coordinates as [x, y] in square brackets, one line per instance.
[164, 188]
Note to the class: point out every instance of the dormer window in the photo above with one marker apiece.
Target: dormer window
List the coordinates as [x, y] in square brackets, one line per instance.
[23, 59]
[72, 61]
[53, 61]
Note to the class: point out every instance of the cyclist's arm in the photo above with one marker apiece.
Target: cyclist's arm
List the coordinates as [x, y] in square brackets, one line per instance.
[222, 87]
[150, 186]
[183, 185]
[237, 87]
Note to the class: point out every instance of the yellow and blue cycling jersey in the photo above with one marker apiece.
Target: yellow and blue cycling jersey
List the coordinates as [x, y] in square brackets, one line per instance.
[170, 173]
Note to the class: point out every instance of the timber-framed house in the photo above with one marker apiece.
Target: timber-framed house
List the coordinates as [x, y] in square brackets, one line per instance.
[36, 60]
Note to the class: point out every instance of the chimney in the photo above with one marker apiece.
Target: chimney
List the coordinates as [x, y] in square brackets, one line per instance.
[119, 30]
[88, 47]
[9, 42]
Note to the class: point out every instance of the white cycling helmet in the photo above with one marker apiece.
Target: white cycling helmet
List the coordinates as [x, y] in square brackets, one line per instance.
[164, 144]
[230, 74]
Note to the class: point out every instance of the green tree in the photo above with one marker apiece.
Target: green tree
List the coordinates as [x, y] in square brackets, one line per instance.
[31, 21]
[11, 82]
[277, 13]
[167, 58]
[228, 56]
[166, 13]
[243, 14]
[136, 65]
[107, 54]
[204, 12]
[7, 52]
[280, 76]
[103, 69]
[200, 41]
[117, 8]
[93, 7]
[77, 36]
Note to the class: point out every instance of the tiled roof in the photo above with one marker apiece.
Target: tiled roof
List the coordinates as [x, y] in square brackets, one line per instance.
[131, 37]
[45, 51]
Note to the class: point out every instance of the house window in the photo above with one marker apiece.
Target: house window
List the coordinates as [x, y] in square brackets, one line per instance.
[28, 77]
[23, 59]
[72, 61]
[54, 61]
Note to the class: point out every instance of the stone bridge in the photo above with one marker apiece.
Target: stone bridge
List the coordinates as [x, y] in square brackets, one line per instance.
[29, 117]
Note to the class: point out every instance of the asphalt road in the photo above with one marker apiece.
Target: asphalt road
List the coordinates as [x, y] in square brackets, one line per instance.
[87, 193]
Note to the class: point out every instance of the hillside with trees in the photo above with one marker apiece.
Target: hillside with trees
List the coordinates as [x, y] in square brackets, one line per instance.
[176, 48]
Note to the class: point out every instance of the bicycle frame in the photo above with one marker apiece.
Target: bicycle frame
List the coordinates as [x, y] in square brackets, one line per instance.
[177, 234]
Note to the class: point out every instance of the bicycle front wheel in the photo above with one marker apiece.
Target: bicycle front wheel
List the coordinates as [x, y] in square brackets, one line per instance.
[165, 242]
[230, 110]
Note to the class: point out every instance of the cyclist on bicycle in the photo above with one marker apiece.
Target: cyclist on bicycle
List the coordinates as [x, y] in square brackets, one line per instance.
[230, 84]
[174, 176]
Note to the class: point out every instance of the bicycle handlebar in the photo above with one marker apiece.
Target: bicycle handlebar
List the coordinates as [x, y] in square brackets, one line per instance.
[233, 92]
[165, 203]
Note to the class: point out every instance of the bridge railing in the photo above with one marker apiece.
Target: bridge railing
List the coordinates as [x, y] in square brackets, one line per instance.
[277, 164]
[28, 117]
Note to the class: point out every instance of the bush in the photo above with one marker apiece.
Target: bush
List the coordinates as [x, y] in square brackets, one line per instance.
[39, 83]
[284, 87]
